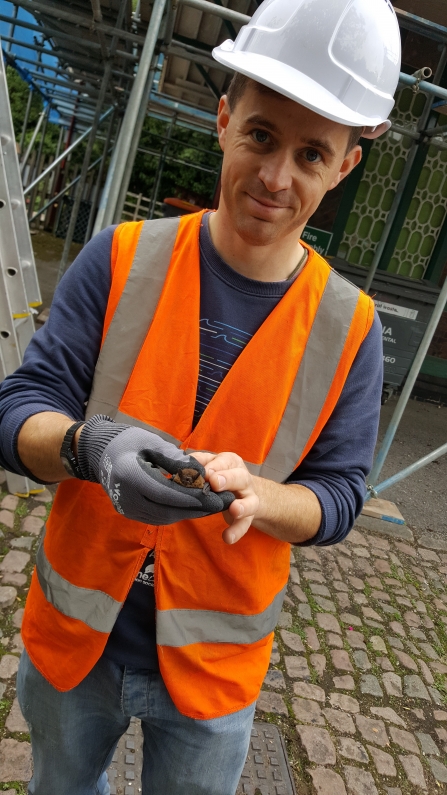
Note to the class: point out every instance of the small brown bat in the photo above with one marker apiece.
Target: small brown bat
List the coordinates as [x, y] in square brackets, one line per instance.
[191, 479]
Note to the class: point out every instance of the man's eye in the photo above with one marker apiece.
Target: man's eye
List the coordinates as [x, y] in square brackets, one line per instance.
[260, 136]
[312, 156]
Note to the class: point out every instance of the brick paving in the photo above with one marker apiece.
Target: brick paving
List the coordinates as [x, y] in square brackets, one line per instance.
[358, 676]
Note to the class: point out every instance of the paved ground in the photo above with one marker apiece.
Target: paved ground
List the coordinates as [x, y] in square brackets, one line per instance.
[21, 522]
[357, 682]
[47, 253]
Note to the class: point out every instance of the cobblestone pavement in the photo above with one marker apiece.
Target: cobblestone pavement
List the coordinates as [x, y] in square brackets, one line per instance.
[125, 771]
[357, 678]
[357, 683]
[21, 523]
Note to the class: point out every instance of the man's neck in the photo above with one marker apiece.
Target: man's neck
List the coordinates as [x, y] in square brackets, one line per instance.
[269, 263]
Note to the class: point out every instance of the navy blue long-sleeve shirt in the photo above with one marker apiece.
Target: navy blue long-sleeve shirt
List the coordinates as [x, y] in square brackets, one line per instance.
[57, 372]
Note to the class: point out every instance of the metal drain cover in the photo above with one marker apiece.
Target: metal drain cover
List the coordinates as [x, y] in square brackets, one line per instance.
[267, 770]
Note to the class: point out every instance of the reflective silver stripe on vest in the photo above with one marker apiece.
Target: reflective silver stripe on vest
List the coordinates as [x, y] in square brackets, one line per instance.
[313, 380]
[133, 315]
[95, 608]
[184, 627]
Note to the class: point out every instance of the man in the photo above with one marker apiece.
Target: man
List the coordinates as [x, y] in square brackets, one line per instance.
[219, 332]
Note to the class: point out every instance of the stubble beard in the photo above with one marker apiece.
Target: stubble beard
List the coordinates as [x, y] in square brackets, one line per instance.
[254, 231]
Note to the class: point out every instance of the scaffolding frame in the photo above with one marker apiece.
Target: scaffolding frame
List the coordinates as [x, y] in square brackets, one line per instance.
[131, 67]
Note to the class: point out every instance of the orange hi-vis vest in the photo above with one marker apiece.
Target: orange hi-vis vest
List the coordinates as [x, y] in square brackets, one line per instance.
[217, 605]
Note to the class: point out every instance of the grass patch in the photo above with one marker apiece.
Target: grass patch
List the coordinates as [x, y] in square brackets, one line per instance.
[298, 631]
[313, 605]
[441, 686]
[395, 662]
[314, 678]
[369, 632]
[5, 706]
[441, 630]
[395, 571]
[412, 579]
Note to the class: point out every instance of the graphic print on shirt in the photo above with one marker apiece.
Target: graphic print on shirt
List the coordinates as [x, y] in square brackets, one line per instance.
[220, 345]
[146, 574]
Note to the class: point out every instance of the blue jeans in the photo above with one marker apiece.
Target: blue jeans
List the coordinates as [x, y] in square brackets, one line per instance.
[74, 735]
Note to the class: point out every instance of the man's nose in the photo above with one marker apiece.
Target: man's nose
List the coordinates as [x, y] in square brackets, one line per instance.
[276, 172]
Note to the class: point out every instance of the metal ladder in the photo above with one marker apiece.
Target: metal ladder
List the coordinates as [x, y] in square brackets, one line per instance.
[19, 286]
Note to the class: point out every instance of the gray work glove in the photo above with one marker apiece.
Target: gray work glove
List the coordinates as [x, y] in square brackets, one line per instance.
[126, 461]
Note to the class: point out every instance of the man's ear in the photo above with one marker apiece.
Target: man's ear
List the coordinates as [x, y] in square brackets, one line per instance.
[352, 159]
[223, 117]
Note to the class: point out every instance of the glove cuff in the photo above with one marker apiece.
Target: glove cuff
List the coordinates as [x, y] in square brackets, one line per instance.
[96, 434]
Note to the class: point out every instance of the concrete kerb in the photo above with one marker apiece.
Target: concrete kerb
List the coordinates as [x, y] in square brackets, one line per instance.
[389, 529]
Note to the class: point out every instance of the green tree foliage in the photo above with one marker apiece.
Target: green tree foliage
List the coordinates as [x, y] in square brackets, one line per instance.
[178, 178]
[18, 97]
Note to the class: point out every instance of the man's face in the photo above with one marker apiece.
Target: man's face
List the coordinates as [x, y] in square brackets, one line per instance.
[279, 160]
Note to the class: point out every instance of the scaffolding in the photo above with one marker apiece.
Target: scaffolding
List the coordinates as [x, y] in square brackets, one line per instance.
[102, 67]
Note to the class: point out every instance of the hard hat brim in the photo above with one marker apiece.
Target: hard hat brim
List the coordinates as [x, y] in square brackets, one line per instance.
[292, 84]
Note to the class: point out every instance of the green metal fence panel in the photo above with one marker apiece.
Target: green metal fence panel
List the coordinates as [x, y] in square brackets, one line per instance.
[425, 217]
[427, 210]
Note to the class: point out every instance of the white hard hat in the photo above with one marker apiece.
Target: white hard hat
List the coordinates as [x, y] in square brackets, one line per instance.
[340, 58]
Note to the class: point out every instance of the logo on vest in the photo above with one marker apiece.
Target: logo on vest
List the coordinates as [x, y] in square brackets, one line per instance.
[113, 491]
[146, 576]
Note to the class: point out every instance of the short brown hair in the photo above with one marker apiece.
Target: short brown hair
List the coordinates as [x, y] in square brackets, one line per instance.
[239, 84]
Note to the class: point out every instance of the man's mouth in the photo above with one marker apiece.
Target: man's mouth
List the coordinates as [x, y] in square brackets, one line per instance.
[266, 204]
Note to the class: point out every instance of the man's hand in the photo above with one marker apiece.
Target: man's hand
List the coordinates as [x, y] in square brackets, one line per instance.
[130, 462]
[227, 471]
[288, 512]
[126, 461]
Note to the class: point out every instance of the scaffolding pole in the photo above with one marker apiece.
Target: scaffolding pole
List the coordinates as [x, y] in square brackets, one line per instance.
[84, 171]
[31, 143]
[142, 111]
[160, 169]
[410, 470]
[100, 175]
[39, 159]
[96, 121]
[64, 154]
[217, 10]
[112, 187]
[76, 19]
[63, 191]
[25, 121]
